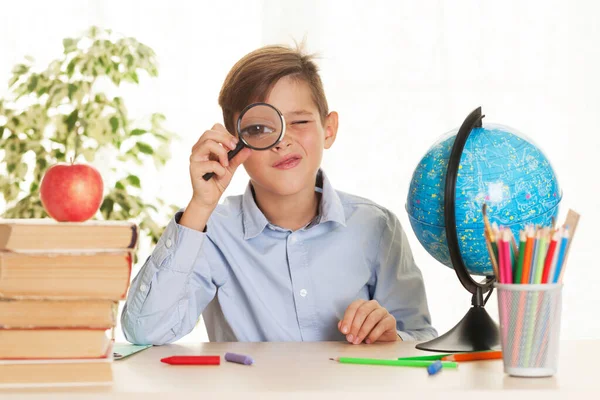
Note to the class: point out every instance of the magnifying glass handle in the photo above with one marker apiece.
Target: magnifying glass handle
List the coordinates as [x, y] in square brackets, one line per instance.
[230, 155]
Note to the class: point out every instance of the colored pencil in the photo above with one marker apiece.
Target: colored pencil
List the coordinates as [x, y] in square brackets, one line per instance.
[501, 260]
[468, 356]
[541, 257]
[550, 257]
[534, 256]
[393, 363]
[489, 243]
[192, 360]
[475, 356]
[434, 357]
[507, 258]
[519, 269]
[561, 255]
[514, 251]
[555, 256]
[528, 255]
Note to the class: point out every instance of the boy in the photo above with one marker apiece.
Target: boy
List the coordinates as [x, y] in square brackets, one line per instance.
[291, 259]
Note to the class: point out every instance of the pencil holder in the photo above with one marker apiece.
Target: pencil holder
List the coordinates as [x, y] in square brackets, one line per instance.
[530, 328]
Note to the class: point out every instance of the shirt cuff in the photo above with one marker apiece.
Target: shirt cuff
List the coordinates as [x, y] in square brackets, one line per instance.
[406, 337]
[180, 244]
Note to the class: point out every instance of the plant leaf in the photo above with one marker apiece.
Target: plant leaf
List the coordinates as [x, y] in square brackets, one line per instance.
[89, 154]
[72, 89]
[144, 148]
[114, 123]
[71, 120]
[134, 180]
[33, 81]
[137, 132]
[69, 45]
[20, 69]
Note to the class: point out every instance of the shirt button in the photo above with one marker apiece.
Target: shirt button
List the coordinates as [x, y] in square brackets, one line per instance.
[303, 293]
[293, 239]
[143, 287]
[168, 243]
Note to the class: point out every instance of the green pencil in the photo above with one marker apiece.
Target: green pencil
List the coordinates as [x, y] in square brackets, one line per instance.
[519, 271]
[542, 248]
[426, 358]
[394, 363]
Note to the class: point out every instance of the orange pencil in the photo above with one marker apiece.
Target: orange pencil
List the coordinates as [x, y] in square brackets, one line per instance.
[476, 356]
[528, 255]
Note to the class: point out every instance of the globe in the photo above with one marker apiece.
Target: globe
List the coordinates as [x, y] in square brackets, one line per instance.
[499, 167]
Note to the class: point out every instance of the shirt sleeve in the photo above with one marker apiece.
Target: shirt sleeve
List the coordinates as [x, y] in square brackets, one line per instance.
[399, 286]
[171, 289]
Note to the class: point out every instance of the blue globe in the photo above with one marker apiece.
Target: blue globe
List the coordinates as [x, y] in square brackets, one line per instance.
[498, 167]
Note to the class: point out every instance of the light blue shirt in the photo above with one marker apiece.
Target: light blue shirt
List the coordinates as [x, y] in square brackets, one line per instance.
[254, 281]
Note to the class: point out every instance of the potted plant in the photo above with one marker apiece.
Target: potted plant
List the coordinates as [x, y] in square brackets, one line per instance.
[65, 113]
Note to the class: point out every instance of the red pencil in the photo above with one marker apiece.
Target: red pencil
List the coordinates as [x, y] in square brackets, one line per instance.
[192, 360]
[549, 257]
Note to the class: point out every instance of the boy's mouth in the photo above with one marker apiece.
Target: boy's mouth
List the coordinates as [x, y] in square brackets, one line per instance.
[287, 162]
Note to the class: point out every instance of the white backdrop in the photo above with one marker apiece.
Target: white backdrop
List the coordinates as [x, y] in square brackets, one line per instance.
[400, 74]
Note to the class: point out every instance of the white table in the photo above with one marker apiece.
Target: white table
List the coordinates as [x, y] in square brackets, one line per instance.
[303, 370]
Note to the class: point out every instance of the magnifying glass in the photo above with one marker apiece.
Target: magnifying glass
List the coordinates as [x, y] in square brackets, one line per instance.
[260, 126]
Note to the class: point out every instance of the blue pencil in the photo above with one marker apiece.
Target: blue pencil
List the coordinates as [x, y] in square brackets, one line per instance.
[561, 256]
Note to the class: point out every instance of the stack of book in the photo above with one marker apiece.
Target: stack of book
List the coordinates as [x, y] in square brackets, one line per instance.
[60, 284]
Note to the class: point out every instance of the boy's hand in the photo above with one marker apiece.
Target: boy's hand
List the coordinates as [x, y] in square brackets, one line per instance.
[368, 321]
[209, 154]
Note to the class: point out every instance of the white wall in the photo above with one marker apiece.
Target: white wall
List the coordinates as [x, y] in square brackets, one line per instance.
[399, 73]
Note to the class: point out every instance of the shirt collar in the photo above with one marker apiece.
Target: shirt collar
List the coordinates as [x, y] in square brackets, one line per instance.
[331, 208]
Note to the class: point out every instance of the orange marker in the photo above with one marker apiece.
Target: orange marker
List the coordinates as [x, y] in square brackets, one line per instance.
[476, 356]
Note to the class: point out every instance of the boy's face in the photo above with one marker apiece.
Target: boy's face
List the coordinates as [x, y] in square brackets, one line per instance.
[291, 165]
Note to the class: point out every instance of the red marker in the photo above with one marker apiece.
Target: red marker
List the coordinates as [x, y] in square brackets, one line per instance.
[192, 360]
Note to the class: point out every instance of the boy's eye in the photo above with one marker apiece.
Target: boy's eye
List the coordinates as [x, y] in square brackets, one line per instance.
[300, 122]
[257, 129]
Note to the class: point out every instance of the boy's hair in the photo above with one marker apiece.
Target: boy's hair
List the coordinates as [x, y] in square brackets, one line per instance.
[252, 78]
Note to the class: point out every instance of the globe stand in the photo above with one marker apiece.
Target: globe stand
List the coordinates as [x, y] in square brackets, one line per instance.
[476, 331]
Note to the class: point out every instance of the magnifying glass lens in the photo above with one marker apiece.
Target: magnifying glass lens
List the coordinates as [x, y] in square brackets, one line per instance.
[260, 126]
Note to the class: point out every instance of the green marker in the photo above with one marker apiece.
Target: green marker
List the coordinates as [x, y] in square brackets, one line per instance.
[394, 363]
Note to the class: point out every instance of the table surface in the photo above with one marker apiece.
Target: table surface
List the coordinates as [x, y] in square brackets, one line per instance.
[303, 368]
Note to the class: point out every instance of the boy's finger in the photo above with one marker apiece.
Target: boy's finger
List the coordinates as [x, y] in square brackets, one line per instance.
[349, 315]
[212, 147]
[384, 325]
[200, 168]
[372, 320]
[219, 127]
[224, 138]
[239, 159]
[359, 318]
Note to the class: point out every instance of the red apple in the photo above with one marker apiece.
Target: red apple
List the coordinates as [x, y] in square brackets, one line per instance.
[71, 192]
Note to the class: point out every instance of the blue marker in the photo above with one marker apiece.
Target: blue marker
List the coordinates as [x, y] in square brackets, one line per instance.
[434, 368]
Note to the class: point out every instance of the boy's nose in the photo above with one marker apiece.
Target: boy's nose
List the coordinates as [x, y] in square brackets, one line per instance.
[284, 144]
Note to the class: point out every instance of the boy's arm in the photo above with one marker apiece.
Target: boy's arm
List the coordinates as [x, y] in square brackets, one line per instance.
[399, 287]
[171, 290]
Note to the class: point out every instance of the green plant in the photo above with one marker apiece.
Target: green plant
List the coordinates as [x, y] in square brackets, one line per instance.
[64, 113]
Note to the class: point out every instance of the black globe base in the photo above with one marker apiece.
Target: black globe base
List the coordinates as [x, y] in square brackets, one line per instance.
[477, 331]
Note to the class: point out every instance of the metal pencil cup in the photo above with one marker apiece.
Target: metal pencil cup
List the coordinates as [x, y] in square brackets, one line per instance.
[530, 328]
